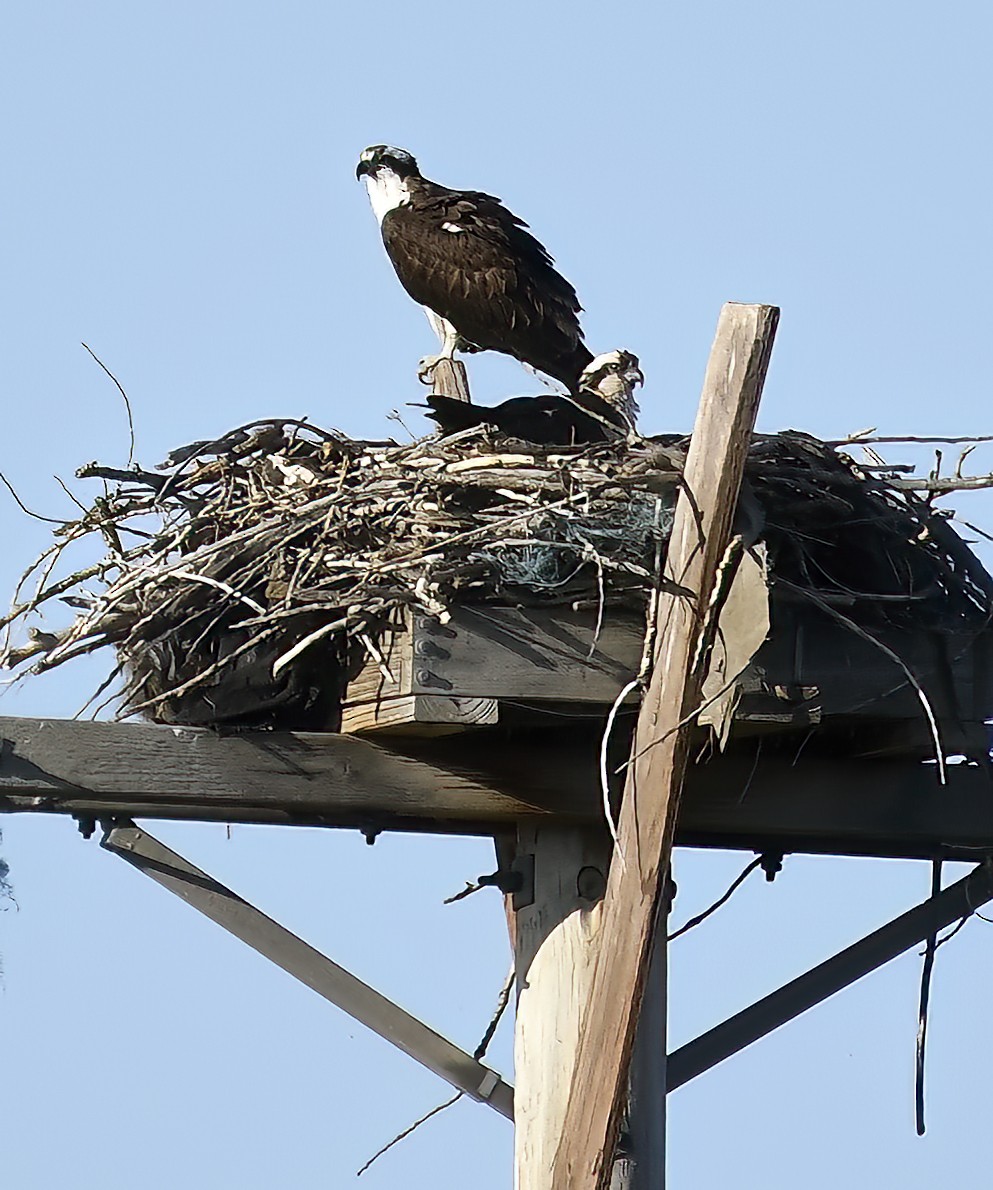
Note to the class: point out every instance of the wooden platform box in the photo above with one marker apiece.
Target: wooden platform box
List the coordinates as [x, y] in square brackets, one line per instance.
[493, 665]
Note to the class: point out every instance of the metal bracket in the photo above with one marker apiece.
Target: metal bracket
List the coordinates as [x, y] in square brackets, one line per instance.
[303, 962]
[517, 880]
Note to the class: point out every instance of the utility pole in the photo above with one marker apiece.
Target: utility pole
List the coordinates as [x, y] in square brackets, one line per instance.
[699, 561]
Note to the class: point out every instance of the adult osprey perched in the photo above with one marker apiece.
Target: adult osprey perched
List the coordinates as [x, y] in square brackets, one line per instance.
[604, 408]
[483, 279]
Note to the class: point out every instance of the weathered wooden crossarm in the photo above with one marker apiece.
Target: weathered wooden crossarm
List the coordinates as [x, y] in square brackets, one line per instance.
[135, 769]
[477, 786]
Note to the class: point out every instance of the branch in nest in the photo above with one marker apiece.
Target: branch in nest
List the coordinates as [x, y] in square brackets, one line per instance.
[38, 642]
[934, 483]
[860, 440]
[119, 475]
[377, 527]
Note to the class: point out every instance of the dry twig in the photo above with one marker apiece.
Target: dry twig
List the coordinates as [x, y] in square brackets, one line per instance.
[267, 553]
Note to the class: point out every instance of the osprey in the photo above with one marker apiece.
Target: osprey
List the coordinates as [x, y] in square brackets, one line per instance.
[604, 408]
[484, 281]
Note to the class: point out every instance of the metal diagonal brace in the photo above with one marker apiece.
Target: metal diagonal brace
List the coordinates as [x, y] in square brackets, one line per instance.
[308, 965]
[957, 901]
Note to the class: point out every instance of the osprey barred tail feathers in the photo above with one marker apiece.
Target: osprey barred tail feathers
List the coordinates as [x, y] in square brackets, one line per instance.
[485, 282]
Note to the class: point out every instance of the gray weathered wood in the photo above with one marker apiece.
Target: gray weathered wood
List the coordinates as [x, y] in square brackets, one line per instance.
[312, 968]
[817, 804]
[139, 768]
[714, 466]
[450, 379]
[809, 671]
[509, 653]
[641, 1165]
[554, 952]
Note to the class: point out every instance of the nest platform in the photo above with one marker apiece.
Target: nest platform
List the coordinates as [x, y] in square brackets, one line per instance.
[289, 577]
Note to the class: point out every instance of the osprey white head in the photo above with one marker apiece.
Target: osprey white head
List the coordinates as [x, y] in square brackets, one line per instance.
[385, 170]
[614, 377]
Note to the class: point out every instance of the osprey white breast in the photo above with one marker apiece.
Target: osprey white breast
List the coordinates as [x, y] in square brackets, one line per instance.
[387, 191]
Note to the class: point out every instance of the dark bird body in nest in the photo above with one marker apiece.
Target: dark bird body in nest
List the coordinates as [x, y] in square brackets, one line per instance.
[242, 691]
[602, 410]
[484, 281]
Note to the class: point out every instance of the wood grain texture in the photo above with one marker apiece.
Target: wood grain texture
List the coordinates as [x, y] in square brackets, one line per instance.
[532, 653]
[481, 785]
[419, 714]
[732, 389]
[810, 670]
[640, 1162]
[555, 953]
[136, 769]
[509, 653]
[450, 379]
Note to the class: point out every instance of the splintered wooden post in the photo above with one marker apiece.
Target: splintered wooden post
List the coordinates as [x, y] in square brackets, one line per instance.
[554, 951]
[640, 1162]
[732, 388]
[450, 379]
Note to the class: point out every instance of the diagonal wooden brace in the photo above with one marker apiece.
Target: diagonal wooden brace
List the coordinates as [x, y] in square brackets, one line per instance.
[761, 1018]
[303, 962]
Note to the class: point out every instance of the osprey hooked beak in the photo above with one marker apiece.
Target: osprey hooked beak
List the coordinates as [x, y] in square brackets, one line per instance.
[622, 365]
[378, 157]
[613, 377]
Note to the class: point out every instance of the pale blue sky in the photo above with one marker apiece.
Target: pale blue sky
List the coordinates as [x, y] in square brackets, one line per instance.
[179, 193]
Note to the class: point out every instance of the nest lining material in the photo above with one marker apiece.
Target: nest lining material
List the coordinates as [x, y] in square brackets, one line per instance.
[238, 579]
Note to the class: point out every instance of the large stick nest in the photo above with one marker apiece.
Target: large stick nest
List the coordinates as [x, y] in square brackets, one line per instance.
[238, 579]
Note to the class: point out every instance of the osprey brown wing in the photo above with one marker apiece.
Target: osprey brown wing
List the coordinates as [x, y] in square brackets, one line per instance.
[466, 257]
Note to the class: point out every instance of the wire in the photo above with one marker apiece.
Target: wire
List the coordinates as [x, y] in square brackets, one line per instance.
[407, 1131]
[479, 1053]
[930, 949]
[723, 900]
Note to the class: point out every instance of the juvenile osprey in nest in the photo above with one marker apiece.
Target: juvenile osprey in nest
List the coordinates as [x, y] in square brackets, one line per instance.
[604, 407]
[484, 281]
